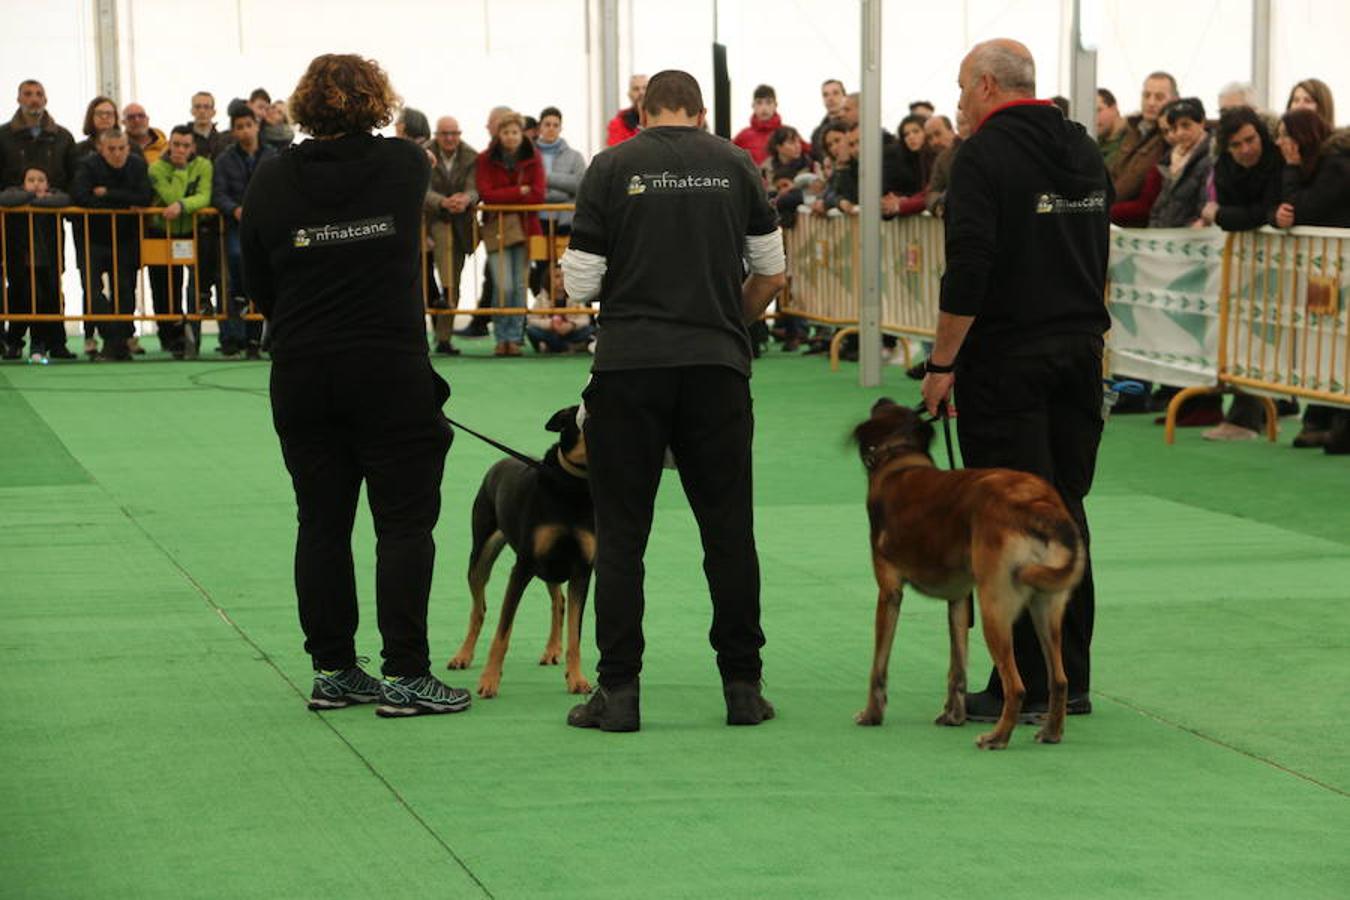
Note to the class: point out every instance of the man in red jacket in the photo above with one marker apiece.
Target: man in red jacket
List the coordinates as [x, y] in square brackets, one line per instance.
[763, 123]
[625, 122]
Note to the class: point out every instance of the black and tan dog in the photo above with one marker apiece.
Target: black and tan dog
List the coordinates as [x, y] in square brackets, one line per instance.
[1005, 534]
[545, 515]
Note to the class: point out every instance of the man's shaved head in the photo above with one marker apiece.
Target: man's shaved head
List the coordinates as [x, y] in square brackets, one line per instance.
[1008, 62]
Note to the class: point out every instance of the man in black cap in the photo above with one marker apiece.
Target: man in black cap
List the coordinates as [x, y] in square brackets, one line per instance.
[1022, 318]
[665, 224]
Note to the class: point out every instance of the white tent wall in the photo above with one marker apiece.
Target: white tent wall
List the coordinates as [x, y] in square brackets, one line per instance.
[465, 56]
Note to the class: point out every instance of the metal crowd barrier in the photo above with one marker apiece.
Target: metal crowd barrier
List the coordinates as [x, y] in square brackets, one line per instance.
[201, 255]
[1282, 319]
[546, 248]
[824, 286]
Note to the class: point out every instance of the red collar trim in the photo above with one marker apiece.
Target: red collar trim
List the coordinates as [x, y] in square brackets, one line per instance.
[1011, 103]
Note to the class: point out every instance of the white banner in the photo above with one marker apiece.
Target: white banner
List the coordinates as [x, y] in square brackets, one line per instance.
[1164, 298]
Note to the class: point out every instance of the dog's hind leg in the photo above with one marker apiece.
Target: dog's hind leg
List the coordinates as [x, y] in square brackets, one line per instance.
[491, 679]
[577, 588]
[889, 587]
[958, 634]
[481, 561]
[553, 649]
[1047, 614]
[999, 606]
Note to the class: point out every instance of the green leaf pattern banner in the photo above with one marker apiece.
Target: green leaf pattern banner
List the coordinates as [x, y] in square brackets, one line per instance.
[1163, 291]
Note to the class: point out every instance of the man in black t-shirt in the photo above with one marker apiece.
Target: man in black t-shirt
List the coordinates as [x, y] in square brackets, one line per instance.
[664, 227]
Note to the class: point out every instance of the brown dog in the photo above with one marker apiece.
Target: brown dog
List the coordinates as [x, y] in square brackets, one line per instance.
[1004, 533]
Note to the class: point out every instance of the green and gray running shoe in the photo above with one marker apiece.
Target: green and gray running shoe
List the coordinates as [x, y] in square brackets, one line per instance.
[421, 695]
[334, 689]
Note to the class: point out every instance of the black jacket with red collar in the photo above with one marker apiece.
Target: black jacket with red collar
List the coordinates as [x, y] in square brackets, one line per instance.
[1027, 230]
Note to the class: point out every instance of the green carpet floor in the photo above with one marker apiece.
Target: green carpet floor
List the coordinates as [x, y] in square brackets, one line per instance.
[154, 741]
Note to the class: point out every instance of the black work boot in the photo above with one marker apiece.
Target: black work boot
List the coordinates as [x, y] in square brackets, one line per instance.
[609, 709]
[745, 704]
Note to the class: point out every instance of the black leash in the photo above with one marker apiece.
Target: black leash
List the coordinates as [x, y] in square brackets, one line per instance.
[526, 459]
[945, 415]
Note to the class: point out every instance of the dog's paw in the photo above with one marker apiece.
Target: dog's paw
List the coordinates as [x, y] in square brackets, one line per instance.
[551, 657]
[460, 660]
[992, 741]
[488, 686]
[1045, 736]
[868, 716]
[578, 685]
[952, 717]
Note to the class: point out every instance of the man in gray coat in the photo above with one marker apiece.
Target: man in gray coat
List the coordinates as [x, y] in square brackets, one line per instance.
[451, 198]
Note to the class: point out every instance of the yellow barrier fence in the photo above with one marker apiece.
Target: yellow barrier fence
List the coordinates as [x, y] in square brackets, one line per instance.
[121, 244]
[823, 264]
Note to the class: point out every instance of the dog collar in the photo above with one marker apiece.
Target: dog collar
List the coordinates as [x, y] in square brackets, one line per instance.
[873, 457]
[570, 467]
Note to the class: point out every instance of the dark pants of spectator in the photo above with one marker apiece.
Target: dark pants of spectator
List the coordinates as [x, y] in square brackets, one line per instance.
[1318, 417]
[1040, 412]
[120, 298]
[552, 342]
[703, 414]
[206, 277]
[166, 288]
[89, 291]
[343, 420]
[34, 291]
[236, 332]
[443, 327]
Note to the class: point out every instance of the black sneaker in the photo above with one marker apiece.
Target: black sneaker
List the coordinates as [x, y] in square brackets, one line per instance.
[339, 688]
[253, 352]
[60, 353]
[420, 695]
[445, 348]
[987, 707]
[609, 709]
[745, 704]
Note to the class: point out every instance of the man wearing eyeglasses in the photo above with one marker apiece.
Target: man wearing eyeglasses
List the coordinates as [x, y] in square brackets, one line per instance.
[450, 202]
[146, 142]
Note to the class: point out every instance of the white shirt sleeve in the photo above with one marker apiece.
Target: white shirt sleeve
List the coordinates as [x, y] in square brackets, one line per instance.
[582, 274]
[765, 253]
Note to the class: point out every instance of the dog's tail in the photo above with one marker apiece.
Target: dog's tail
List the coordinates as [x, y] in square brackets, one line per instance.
[1065, 544]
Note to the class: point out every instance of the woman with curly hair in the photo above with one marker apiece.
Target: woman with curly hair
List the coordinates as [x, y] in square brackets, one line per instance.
[330, 233]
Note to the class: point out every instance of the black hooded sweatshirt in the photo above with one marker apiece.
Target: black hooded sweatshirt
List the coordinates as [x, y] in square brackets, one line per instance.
[331, 244]
[1027, 231]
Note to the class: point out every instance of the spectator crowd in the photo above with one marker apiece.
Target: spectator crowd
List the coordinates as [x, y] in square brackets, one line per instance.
[1173, 164]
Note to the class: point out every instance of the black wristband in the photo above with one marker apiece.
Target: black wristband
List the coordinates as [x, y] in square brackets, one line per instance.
[933, 368]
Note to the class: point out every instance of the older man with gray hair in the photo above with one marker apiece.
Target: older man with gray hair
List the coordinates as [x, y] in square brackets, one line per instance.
[1020, 327]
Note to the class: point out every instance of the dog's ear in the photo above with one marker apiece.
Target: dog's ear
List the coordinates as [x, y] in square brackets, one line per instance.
[882, 404]
[561, 418]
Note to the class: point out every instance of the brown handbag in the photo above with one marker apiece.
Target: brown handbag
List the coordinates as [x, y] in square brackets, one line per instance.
[501, 230]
